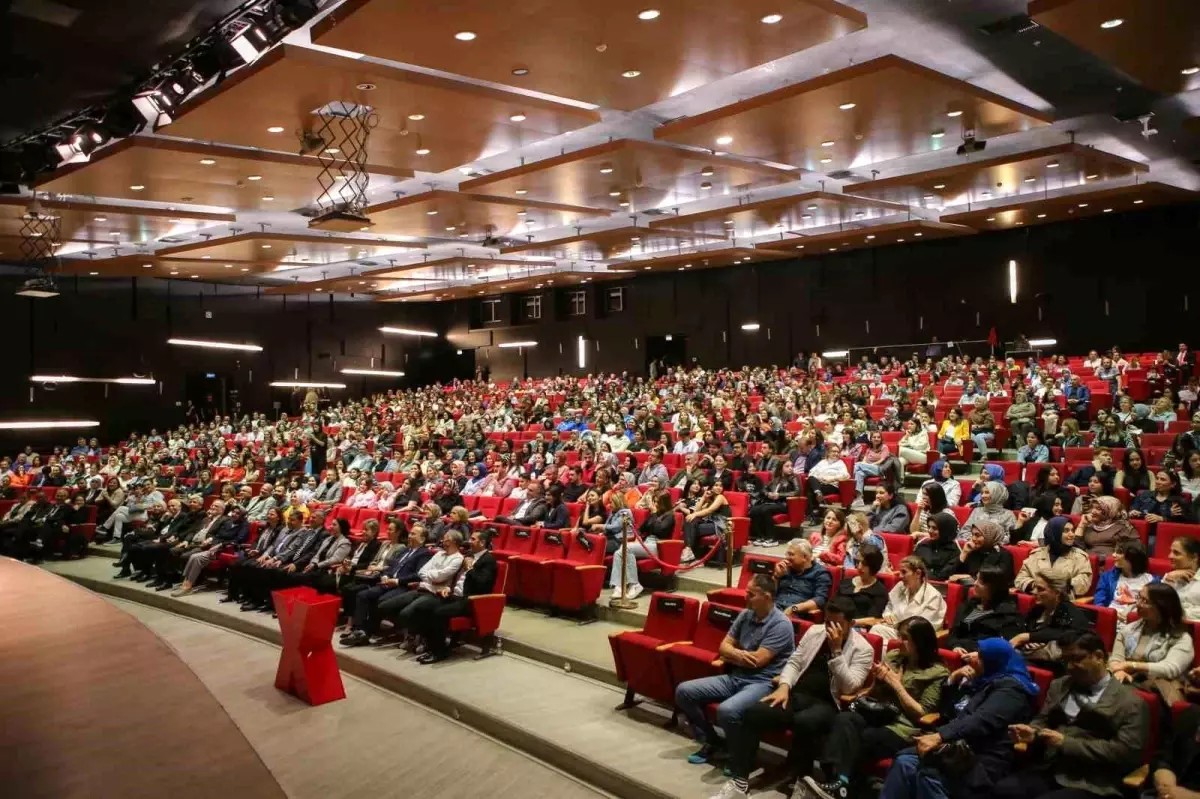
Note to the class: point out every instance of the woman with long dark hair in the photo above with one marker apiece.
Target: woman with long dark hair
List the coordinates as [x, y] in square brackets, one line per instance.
[1154, 652]
[991, 612]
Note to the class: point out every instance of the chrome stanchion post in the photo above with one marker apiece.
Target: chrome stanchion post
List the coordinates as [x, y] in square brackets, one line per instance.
[624, 602]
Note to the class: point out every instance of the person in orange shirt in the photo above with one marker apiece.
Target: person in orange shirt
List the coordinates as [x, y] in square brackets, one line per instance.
[20, 476]
[625, 486]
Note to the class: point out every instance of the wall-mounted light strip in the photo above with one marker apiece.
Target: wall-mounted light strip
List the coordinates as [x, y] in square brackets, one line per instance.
[372, 372]
[125, 381]
[512, 344]
[405, 331]
[301, 384]
[1043, 342]
[215, 345]
[581, 348]
[39, 425]
[751, 326]
[835, 354]
[1012, 282]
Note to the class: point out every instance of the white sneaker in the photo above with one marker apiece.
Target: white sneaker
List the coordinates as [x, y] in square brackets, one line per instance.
[687, 556]
[730, 791]
[635, 591]
[616, 594]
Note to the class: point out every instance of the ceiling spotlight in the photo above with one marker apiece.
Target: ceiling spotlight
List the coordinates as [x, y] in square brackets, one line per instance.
[245, 269]
[1030, 179]
[606, 169]
[147, 266]
[1052, 165]
[1041, 216]
[614, 194]
[517, 118]
[954, 113]
[940, 186]
[174, 273]
[991, 219]
[93, 274]
[1083, 205]
[465, 36]
[918, 235]
[227, 266]
[1092, 177]
[275, 129]
[729, 221]
[771, 19]
[705, 186]
[937, 134]
[870, 237]
[899, 241]
[928, 196]
[826, 160]
[266, 246]
[846, 106]
[723, 140]
[254, 177]
[827, 144]
[520, 71]
[812, 207]
[101, 219]
[332, 150]
[136, 187]
[648, 14]
[521, 191]
[268, 198]
[416, 117]
[1138, 202]
[624, 203]
[707, 172]
[194, 276]
[422, 151]
[1111, 23]
[365, 87]
[1189, 71]
[1108, 210]
[631, 73]
[431, 213]
[806, 216]
[208, 161]
[450, 227]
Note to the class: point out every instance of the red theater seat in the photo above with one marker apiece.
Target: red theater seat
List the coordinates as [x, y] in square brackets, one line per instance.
[577, 579]
[530, 572]
[751, 565]
[486, 610]
[698, 658]
[639, 663]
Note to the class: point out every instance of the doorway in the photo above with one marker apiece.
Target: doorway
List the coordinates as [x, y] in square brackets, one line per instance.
[207, 392]
[665, 352]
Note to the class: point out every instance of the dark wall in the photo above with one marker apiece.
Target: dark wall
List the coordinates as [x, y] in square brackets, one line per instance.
[1119, 279]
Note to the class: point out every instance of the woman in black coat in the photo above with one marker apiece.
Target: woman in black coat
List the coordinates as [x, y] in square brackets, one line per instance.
[940, 552]
[990, 613]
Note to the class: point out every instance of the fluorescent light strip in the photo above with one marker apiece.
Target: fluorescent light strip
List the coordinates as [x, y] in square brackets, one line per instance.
[582, 350]
[373, 372]
[513, 344]
[301, 384]
[1043, 342]
[1012, 282]
[751, 326]
[35, 425]
[216, 345]
[835, 354]
[127, 381]
[404, 331]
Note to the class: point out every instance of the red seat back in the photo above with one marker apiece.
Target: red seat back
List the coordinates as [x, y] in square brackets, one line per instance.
[756, 564]
[550, 544]
[713, 625]
[672, 617]
[520, 541]
[1166, 532]
[489, 507]
[1104, 621]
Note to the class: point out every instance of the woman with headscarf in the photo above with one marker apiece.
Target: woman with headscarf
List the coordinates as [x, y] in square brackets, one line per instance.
[989, 473]
[1103, 528]
[479, 480]
[979, 702]
[1059, 559]
[991, 510]
[941, 473]
[981, 545]
[940, 550]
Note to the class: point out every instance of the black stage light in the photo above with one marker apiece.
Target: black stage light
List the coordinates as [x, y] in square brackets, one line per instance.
[295, 13]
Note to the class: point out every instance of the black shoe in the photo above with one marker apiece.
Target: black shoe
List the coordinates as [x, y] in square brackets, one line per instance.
[124, 574]
[228, 599]
[432, 657]
[141, 577]
[247, 607]
[834, 789]
[155, 583]
[164, 586]
[358, 639]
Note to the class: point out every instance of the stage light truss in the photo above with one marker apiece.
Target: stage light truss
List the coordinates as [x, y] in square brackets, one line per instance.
[346, 129]
[41, 234]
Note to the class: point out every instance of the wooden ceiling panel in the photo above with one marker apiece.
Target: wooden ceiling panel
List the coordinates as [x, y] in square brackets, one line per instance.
[1036, 211]
[629, 176]
[170, 171]
[898, 108]
[1021, 174]
[706, 258]
[616, 243]
[580, 49]
[460, 122]
[286, 250]
[167, 268]
[816, 209]
[105, 224]
[452, 215]
[479, 271]
[900, 232]
[1155, 41]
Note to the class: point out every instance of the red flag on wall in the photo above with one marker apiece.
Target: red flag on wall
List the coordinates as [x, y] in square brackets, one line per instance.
[993, 339]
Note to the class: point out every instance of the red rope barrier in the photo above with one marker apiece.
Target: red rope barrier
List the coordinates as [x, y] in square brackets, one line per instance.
[682, 567]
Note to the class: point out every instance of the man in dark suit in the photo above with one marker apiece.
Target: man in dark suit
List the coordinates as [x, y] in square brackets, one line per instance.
[1091, 731]
[402, 572]
[144, 552]
[477, 576]
[532, 509]
[45, 526]
[299, 552]
[170, 562]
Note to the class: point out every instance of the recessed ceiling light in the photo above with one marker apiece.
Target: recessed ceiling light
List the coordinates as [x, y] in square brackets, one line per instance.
[93, 274]
[205, 257]
[1108, 210]
[1083, 205]
[1041, 216]
[1052, 165]
[114, 234]
[245, 269]
[929, 196]
[521, 191]
[208, 161]
[1092, 177]
[827, 143]
[899, 241]
[275, 129]
[624, 203]
[465, 36]
[268, 198]
[517, 118]
[101, 219]
[940, 186]
[227, 266]
[1189, 70]
[1111, 23]
[136, 187]
[991, 219]
[870, 237]
[365, 87]
[606, 169]
[422, 151]
[729, 221]
[1138, 202]
[937, 134]
[833, 249]
[1030, 179]
[723, 140]
[450, 227]
[254, 177]
[631, 73]
[771, 19]
[846, 106]
[174, 273]
[520, 71]
[806, 216]
[648, 14]
[332, 150]
[614, 194]
[705, 186]
[826, 160]
[147, 266]
[707, 172]
[812, 207]
[427, 213]
[266, 246]
[194, 277]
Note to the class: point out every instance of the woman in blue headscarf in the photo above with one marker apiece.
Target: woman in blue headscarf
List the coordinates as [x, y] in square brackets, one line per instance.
[479, 480]
[970, 750]
[942, 474]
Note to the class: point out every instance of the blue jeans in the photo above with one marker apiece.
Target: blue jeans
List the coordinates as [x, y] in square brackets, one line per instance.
[908, 779]
[636, 552]
[861, 472]
[735, 695]
[981, 443]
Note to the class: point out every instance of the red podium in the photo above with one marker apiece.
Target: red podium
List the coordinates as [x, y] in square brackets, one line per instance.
[308, 666]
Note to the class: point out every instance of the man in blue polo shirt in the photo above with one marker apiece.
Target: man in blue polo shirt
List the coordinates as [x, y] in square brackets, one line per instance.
[760, 641]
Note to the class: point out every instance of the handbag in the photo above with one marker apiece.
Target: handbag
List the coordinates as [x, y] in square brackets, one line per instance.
[875, 712]
[954, 759]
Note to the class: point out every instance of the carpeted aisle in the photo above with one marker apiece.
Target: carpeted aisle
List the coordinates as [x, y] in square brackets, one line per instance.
[94, 704]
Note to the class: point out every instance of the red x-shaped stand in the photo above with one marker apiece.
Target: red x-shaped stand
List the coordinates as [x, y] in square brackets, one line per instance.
[308, 666]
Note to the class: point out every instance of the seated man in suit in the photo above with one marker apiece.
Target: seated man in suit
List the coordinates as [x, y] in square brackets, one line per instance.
[143, 552]
[170, 561]
[532, 509]
[236, 531]
[400, 577]
[47, 525]
[476, 576]
[293, 561]
[19, 520]
[267, 551]
[1090, 733]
